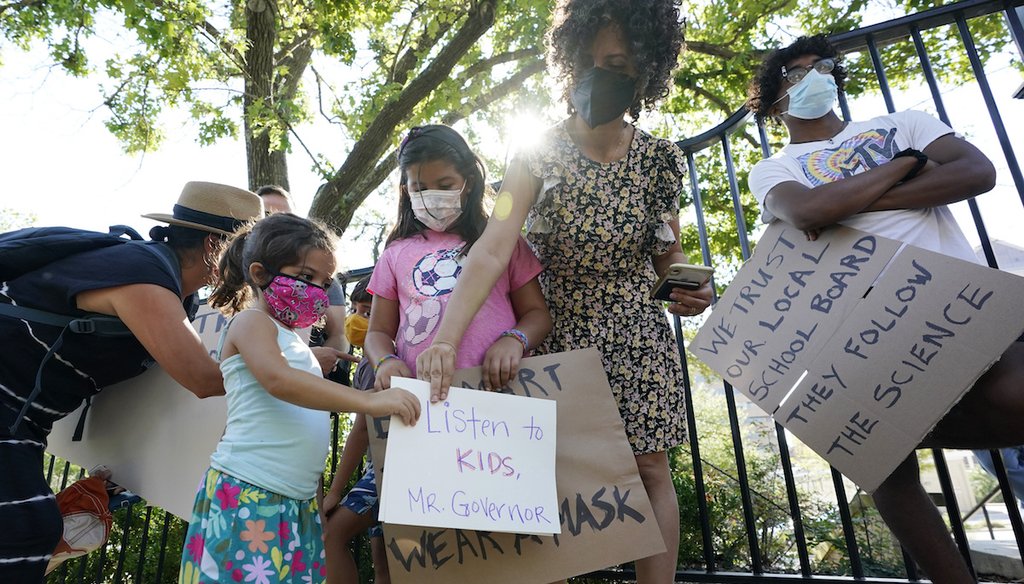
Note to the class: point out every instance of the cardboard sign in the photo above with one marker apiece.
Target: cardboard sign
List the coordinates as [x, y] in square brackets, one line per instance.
[856, 343]
[155, 435]
[479, 460]
[603, 510]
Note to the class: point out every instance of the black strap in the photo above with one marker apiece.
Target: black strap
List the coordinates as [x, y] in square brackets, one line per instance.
[80, 427]
[97, 324]
[38, 387]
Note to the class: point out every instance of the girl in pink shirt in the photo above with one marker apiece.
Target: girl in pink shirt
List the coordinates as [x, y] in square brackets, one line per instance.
[440, 214]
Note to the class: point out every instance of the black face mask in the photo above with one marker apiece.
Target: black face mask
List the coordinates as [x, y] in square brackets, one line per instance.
[602, 95]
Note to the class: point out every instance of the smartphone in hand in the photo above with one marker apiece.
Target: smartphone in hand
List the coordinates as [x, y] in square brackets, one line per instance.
[687, 276]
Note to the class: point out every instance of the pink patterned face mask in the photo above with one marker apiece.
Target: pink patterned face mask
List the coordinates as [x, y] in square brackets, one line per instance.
[293, 302]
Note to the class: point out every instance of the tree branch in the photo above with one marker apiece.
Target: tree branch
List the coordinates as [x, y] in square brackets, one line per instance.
[402, 42]
[403, 67]
[296, 64]
[482, 101]
[320, 82]
[722, 105]
[212, 34]
[484, 65]
[366, 152]
[286, 53]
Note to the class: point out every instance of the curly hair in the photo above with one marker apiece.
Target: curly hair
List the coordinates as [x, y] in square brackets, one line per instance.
[650, 26]
[764, 87]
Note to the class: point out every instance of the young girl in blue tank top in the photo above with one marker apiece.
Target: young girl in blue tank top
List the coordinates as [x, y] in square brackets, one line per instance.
[255, 517]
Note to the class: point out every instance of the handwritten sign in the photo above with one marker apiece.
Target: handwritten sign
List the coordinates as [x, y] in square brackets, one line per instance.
[155, 435]
[856, 343]
[602, 507]
[478, 460]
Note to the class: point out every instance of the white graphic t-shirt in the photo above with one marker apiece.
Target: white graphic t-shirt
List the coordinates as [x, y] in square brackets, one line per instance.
[859, 147]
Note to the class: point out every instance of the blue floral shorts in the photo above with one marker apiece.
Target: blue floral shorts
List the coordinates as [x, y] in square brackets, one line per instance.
[363, 499]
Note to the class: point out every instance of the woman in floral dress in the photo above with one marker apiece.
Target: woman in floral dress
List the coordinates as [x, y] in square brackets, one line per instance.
[600, 202]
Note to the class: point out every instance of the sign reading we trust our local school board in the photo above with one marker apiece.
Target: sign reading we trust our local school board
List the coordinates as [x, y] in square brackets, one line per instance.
[477, 460]
[857, 344]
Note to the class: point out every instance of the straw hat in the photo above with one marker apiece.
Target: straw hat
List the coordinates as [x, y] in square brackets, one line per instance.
[213, 207]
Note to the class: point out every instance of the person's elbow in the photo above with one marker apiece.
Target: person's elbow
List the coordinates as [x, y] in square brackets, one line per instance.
[544, 324]
[206, 383]
[983, 175]
[806, 218]
[805, 215]
[279, 381]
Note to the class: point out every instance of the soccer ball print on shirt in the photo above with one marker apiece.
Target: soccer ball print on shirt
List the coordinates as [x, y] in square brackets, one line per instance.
[856, 154]
[433, 277]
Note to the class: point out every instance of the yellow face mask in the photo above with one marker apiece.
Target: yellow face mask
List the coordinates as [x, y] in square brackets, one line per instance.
[355, 329]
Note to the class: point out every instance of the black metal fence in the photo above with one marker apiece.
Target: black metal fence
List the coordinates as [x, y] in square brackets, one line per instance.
[147, 542]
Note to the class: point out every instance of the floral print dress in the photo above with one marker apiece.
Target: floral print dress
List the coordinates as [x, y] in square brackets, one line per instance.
[596, 228]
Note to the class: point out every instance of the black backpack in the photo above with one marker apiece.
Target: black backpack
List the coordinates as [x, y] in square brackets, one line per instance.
[29, 249]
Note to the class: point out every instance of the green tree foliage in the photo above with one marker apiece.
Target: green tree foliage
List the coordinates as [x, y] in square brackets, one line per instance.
[260, 68]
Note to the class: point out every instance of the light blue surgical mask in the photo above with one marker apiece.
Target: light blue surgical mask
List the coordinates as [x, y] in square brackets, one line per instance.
[813, 97]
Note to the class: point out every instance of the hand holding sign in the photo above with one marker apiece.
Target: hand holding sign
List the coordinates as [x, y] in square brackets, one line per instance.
[477, 460]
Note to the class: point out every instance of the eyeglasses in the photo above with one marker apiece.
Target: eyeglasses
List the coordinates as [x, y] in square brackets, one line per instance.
[797, 74]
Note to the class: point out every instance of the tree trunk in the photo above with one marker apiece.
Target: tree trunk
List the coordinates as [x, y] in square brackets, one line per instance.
[266, 166]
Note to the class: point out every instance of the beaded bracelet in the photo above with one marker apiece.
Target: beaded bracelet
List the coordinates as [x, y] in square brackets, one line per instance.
[383, 359]
[519, 336]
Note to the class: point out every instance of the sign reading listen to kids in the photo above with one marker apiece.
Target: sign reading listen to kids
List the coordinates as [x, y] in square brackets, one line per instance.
[478, 460]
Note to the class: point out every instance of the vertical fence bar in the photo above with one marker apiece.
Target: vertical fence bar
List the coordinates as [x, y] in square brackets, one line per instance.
[763, 139]
[691, 420]
[49, 468]
[335, 424]
[1009, 500]
[849, 535]
[1016, 30]
[911, 567]
[794, 502]
[953, 509]
[82, 564]
[126, 528]
[749, 520]
[990, 102]
[844, 107]
[741, 475]
[64, 475]
[140, 567]
[883, 82]
[787, 464]
[163, 546]
[940, 107]
[734, 190]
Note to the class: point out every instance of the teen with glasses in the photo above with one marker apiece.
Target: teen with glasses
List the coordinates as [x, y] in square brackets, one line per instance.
[893, 176]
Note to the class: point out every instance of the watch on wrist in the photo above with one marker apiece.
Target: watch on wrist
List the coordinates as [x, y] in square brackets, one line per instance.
[922, 159]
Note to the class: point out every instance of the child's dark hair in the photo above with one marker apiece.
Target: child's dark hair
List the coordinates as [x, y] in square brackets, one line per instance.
[439, 142]
[359, 293]
[275, 241]
[764, 87]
